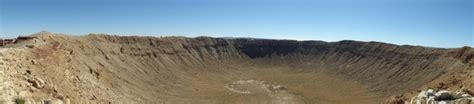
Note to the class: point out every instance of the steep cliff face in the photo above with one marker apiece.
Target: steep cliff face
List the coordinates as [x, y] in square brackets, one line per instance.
[104, 68]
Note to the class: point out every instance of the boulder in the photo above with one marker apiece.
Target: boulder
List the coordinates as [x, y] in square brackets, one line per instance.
[430, 92]
[443, 95]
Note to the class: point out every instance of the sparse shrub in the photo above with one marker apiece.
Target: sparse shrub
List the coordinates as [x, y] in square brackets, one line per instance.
[19, 101]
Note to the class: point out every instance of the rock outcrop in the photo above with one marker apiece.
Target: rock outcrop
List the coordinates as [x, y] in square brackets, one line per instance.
[442, 97]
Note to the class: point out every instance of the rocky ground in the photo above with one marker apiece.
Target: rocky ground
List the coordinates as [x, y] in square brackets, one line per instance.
[462, 96]
[98, 68]
[18, 82]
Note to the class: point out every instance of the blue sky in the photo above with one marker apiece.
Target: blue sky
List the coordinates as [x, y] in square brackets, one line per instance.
[436, 23]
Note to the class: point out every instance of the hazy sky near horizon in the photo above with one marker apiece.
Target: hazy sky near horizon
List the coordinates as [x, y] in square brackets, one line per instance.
[435, 23]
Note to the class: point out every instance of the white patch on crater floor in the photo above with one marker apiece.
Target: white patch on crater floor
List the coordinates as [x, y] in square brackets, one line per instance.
[277, 93]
